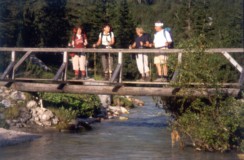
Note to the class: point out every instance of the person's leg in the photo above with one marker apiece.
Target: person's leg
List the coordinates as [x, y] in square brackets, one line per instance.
[110, 64]
[75, 63]
[139, 64]
[105, 66]
[82, 61]
[158, 62]
[165, 67]
[147, 70]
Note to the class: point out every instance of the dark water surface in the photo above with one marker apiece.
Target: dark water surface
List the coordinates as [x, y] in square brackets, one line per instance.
[143, 137]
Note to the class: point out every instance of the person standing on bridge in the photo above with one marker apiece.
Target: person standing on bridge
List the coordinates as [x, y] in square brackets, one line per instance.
[142, 41]
[162, 40]
[106, 40]
[79, 40]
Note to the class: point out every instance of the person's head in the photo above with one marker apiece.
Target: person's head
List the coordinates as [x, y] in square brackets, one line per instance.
[79, 30]
[106, 28]
[158, 26]
[139, 31]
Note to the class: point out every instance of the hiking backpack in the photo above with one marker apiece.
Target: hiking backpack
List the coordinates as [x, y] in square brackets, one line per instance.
[167, 29]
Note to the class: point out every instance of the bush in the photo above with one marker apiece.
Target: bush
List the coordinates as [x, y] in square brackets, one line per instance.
[211, 125]
[3, 124]
[65, 116]
[122, 101]
[212, 122]
[12, 112]
[84, 104]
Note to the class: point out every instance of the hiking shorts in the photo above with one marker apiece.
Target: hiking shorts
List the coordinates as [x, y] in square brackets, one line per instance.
[160, 59]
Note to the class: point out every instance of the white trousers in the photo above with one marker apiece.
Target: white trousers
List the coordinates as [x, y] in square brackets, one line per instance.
[79, 62]
[142, 63]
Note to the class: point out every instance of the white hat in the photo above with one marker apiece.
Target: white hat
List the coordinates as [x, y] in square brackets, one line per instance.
[159, 24]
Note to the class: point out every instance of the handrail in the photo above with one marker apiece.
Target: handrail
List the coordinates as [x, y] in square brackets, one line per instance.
[13, 66]
[92, 50]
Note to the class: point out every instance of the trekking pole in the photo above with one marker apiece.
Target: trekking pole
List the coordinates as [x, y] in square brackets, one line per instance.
[144, 74]
[95, 65]
[86, 65]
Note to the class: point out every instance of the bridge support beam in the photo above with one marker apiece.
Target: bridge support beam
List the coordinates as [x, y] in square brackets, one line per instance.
[123, 90]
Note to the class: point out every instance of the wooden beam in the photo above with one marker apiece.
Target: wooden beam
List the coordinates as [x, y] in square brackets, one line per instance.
[22, 59]
[91, 50]
[60, 71]
[123, 90]
[116, 73]
[233, 61]
[8, 70]
[241, 80]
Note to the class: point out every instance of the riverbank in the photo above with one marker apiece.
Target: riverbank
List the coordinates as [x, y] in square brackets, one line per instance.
[11, 137]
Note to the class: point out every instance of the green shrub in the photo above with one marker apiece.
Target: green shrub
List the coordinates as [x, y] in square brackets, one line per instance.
[211, 125]
[213, 122]
[3, 124]
[84, 104]
[12, 112]
[122, 101]
[65, 116]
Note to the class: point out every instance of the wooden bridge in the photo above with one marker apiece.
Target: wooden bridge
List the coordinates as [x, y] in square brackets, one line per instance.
[116, 85]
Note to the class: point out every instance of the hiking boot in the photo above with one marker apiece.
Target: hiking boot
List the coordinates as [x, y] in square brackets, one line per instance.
[76, 77]
[147, 79]
[106, 76]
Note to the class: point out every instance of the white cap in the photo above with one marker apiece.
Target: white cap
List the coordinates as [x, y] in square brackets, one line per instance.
[159, 24]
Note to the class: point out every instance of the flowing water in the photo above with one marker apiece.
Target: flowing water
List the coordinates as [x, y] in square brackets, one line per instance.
[144, 136]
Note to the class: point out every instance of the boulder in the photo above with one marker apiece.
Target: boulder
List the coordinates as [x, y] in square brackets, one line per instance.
[105, 100]
[16, 95]
[55, 121]
[123, 118]
[47, 115]
[47, 123]
[2, 116]
[6, 103]
[124, 110]
[31, 104]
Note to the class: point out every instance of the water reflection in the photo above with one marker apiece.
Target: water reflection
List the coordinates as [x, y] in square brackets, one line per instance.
[143, 136]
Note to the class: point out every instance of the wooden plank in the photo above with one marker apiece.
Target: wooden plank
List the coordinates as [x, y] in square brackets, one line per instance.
[60, 72]
[136, 91]
[91, 50]
[8, 70]
[241, 80]
[22, 59]
[116, 73]
[233, 61]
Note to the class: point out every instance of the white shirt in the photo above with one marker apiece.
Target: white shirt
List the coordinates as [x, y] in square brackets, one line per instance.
[106, 38]
[160, 39]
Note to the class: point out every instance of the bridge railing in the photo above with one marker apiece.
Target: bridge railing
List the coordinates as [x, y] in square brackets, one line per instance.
[9, 72]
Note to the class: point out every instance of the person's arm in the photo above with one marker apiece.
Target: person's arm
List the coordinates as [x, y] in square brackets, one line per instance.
[85, 41]
[98, 42]
[112, 39]
[132, 46]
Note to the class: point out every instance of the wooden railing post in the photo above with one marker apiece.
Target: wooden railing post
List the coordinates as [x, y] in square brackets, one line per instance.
[120, 61]
[65, 60]
[177, 70]
[13, 58]
[62, 71]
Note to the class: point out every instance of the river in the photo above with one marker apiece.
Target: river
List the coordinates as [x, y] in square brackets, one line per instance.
[144, 136]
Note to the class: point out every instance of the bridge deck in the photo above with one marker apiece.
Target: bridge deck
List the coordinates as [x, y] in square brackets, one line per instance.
[116, 86]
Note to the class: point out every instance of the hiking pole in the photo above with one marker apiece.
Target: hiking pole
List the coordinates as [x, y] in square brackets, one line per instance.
[109, 65]
[144, 74]
[95, 64]
[86, 66]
